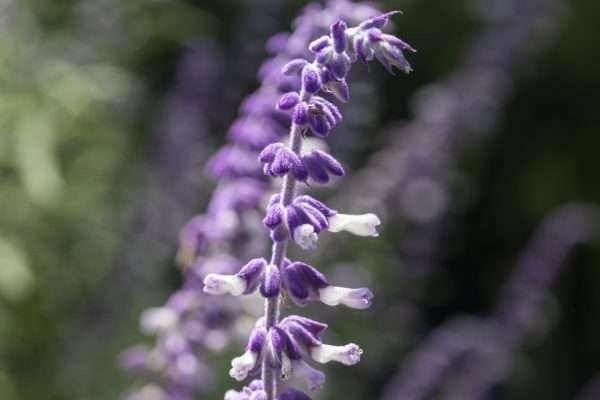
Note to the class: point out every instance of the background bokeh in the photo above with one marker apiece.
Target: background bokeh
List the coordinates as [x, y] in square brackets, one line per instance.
[110, 108]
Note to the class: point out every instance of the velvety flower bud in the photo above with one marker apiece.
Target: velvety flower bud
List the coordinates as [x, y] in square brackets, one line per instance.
[300, 114]
[315, 170]
[267, 155]
[392, 56]
[294, 67]
[285, 160]
[301, 335]
[338, 35]
[314, 327]
[377, 22]
[320, 165]
[274, 345]
[323, 209]
[302, 281]
[332, 165]
[319, 44]
[338, 88]
[274, 216]
[360, 225]
[339, 65]
[272, 282]
[347, 355]
[280, 160]
[362, 48]
[311, 79]
[292, 394]
[397, 42]
[319, 124]
[252, 273]
[288, 101]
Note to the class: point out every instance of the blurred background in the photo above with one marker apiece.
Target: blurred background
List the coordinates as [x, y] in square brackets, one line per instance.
[483, 164]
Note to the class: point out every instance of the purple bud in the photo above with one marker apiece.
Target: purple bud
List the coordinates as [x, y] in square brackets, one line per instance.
[252, 273]
[324, 56]
[314, 327]
[339, 89]
[274, 216]
[302, 282]
[284, 161]
[328, 212]
[293, 394]
[256, 340]
[377, 22]
[300, 115]
[338, 66]
[363, 50]
[288, 101]
[272, 282]
[318, 124]
[274, 346]
[314, 216]
[319, 44]
[267, 155]
[314, 168]
[301, 335]
[311, 79]
[300, 172]
[397, 42]
[374, 35]
[332, 165]
[338, 34]
[293, 278]
[293, 67]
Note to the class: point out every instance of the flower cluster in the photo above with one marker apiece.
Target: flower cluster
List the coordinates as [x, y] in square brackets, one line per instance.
[279, 349]
[205, 324]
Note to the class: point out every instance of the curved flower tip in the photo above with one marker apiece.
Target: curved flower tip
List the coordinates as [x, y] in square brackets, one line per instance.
[360, 299]
[305, 236]
[158, 320]
[240, 366]
[292, 394]
[360, 225]
[221, 284]
[347, 355]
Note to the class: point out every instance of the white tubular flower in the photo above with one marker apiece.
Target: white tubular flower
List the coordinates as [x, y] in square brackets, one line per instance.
[360, 225]
[306, 236]
[240, 366]
[347, 355]
[158, 320]
[360, 298]
[314, 378]
[222, 284]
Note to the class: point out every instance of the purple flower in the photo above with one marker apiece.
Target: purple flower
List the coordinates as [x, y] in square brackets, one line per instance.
[279, 160]
[304, 282]
[319, 114]
[320, 165]
[311, 79]
[271, 283]
[244, 282]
